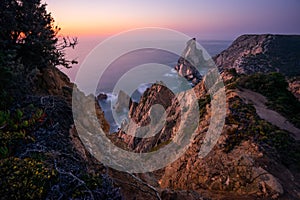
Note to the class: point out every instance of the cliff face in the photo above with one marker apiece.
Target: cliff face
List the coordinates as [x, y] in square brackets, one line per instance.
[190, 61]
[262, 53]
[64, 168]
[294, 86]
[254, 157]
[140, 115]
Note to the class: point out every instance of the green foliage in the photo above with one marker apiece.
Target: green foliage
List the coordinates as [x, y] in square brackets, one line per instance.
[160, 145]
[248, 126]
[93, 182]
[28, 36]
[242, 116]
[4, 152]
[24, 178]
[32, 178]
[5, 75]
[274, 87]
[15, 128]
[4, 118]
[232, 71]
[6, 81]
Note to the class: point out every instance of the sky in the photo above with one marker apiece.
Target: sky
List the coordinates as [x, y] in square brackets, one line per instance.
[208, 19]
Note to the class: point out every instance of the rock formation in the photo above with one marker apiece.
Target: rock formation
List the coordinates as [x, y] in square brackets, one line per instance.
[250, 54]
[101, 96]
[252, 158]
[54, 144]
[123, 102]
[294, 86]
[190, 62]
[140, 115]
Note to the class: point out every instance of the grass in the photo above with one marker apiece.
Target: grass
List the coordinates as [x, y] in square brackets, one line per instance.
[275, 88]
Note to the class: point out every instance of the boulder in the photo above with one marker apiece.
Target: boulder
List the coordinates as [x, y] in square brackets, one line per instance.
[101, 96]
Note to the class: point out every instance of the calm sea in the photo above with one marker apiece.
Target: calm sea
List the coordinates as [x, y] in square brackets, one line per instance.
[116, 70]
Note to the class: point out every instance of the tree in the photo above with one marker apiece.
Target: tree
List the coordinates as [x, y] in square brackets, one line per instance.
[28, 36]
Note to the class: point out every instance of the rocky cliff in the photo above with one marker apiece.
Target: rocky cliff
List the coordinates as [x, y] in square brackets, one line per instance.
[294, 86]
[190, 62]
[262, 53]
[255, 156]
[41, 154]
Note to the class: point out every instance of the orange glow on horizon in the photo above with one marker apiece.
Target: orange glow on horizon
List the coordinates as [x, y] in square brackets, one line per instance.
[86, 30]
[222, 19]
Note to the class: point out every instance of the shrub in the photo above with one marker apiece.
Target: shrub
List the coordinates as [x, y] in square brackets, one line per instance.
[29, 36]
[24, 178]
[15, 128]
[275, 88]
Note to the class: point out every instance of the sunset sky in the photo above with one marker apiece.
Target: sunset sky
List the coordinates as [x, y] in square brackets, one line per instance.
[209, 19]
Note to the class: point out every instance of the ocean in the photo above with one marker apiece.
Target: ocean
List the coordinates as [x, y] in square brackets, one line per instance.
[157, 65]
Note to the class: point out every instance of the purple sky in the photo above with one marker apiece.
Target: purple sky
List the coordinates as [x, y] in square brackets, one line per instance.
[208, 19]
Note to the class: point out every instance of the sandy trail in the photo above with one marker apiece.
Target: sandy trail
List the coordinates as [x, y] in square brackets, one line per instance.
[259, 102]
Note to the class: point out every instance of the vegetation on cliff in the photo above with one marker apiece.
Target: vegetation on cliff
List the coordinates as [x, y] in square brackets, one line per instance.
[42, 156]
[39, 154]
[275, 87]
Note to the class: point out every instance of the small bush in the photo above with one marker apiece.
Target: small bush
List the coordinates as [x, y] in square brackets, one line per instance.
[24, 178]
[15, 128]
[275, 88]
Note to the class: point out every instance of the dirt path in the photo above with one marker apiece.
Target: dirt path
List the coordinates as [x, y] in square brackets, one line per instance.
[259, 102]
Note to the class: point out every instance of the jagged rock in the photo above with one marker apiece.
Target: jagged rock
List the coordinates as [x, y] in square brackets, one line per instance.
[52, 81]
[123, 102]
[190, 62]
[269, 180]
[244, 163]
[101, 96]
[238, 171]
[84, 107]
[250, 54]
[294, 87]
[140, 117]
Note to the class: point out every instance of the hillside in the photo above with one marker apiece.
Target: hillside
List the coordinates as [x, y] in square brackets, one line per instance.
[41, 155]
[257, 155]
[262, 53]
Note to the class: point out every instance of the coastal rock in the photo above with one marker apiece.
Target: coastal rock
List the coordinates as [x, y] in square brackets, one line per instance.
[250, 54]
[190, 62]
[101, 96]
[248, 160]
[52, 81]
[140, 117]
[55, 143]
[294, 86]
[123, 102]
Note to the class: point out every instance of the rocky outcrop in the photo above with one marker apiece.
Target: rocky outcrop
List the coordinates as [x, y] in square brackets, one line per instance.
[248, 169]
[294, 86]
[190, 62]
[101, 96]
[55, 144]
[252, 159]
[51, 81]
[140, 117]
[250, 54]
[245, 167]
[123, 102]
